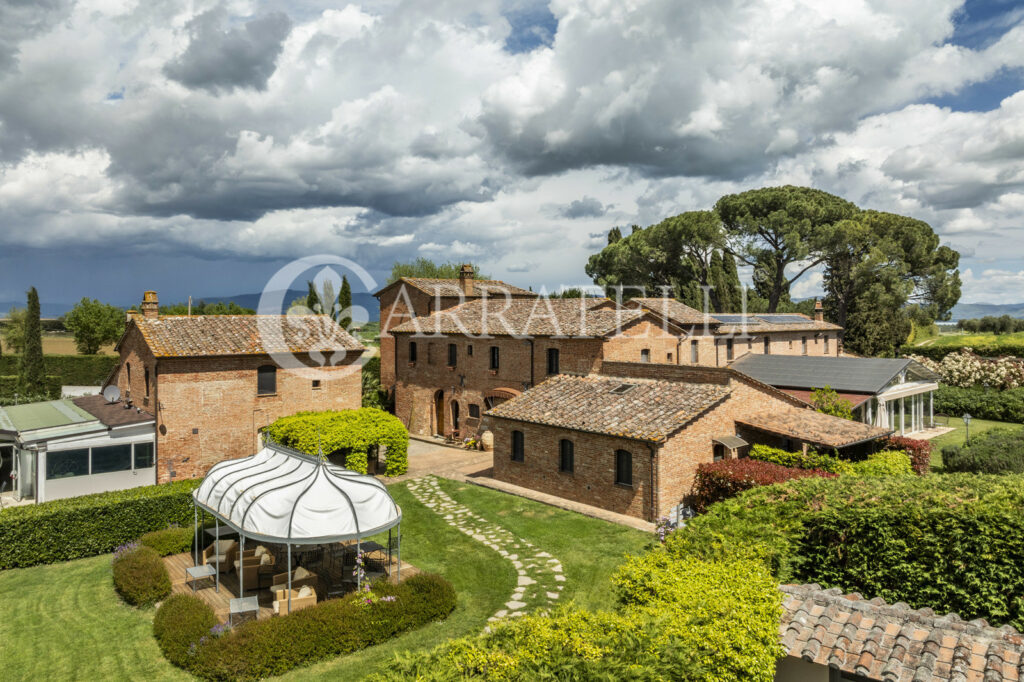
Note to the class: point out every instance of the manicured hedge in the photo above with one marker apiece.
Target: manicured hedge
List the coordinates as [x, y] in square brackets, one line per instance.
[78, 527]
[798, 460]
[74, 370]
[997, 451]
[981, 402]
[174, 540]
[727, 478]
[684, 620]
[938, 352]
[354, 431]
[179, 624]
[919, 451]
[140, 576]
[264, 648]
[949, 542]
[10, 386]
[884, 463]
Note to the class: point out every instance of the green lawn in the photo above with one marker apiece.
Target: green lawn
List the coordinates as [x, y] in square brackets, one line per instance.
[957, 437]
[980, 339]
[65, 622]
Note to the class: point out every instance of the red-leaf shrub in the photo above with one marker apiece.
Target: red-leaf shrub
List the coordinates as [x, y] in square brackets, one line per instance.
[920, 452]
[727, 478]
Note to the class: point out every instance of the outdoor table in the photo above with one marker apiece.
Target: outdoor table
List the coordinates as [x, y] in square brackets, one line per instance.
[194, 573]
[241, 606]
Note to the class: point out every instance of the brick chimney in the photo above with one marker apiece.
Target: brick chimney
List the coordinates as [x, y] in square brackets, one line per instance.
[819, 311]
[150, 305]
[466, 279]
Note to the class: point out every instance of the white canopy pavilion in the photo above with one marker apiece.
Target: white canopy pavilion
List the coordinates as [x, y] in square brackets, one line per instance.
[284, 496]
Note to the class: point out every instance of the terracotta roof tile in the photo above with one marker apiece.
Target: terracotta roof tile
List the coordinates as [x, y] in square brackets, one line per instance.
[524, 317]
[199, 335]
[895, 642]
[633, 408]
[451, 288]
[813, 426]
[674, 311]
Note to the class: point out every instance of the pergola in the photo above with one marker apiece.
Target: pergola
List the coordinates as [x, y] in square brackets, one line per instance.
[283, 496]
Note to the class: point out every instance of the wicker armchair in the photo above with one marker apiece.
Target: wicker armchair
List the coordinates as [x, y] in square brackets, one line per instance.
[303, 578]
[222, 552]
[298, 602]
[252, 568]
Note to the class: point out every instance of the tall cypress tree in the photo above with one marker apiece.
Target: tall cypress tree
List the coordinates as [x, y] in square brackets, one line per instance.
[313, 299]
[730, 295]
[31, 373]
[344, 303]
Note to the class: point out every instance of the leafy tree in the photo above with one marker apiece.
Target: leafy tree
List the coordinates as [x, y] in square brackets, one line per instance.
[827, 401]
[14, 330]
[572, 292]
[94, 324]
[204, 308]
[774, 227]
[345, 304]
[31, 374]
[424, 267]
[614, 235]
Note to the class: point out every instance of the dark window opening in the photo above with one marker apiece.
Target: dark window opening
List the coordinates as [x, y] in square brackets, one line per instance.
[803, 342]
[469, 350]
[517, 446]
[147, 381]
[623, 467]
[668, 357]
[455, 416]
[728, 349]
[826, 344]
[111, 458]
[143, 455]
[266, 380]
[316, 383]
[645, 355]
[495, 359]
[718, 452]
[552, 361]
[693, 353]
[453, 354]
[412, 351]
[474, 410]
[622, 388]
[566, 456]
[67, 463]
[767, 346]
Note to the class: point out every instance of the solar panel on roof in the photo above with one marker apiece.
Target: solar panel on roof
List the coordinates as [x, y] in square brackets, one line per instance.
[786, 319]
[737, 319]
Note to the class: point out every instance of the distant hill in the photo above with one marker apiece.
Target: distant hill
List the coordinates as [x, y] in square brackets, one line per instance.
[967, 311]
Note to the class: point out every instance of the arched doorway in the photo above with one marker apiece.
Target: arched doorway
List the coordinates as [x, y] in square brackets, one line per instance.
[439, 413]
[455, 416]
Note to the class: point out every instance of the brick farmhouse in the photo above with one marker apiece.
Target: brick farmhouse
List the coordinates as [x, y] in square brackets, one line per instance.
[214, 381]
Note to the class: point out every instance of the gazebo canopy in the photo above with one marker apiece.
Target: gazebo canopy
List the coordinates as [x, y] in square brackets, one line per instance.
[281, 495]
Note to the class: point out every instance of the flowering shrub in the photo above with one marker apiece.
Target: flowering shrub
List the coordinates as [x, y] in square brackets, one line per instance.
[662, 529]
[964, 368]
[359, 573]
[140, 576]
[919, 451]
[718, 481]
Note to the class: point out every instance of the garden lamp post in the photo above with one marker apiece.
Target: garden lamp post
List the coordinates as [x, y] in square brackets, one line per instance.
[967, 425]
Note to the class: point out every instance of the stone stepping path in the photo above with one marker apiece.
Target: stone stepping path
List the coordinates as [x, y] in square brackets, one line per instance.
[540, 579]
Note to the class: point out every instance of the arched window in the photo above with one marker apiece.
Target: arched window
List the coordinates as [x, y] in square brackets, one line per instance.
[623, 467]
[517, 446]
[266, 380]
[565, 456]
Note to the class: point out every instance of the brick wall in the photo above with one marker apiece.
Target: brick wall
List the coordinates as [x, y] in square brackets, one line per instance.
[132, 384]
[593, 479]
[639, 336]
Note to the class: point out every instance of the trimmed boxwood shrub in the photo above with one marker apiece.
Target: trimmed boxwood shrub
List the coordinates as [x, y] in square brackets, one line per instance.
[938, 352]
[264, 648]
[885, 463]
[717, 481]
[74, 370]
[173, 540]
[950, 542]
[798, 460]
[85, 526]
[983, 403]
[997, 451]
[919, 451]
[352, 431]
[140, 576]
[180, 622]
[680, 620]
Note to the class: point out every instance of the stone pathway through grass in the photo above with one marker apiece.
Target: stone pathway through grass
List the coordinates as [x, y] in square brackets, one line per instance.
[540, 575]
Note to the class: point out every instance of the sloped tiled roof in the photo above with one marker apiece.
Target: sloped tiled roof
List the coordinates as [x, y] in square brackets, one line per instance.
[523, 317]
[674, 311]
[450, 287]
[649, 411]
[894, 643]
[813, 426]
[776, 322]
[207, 335]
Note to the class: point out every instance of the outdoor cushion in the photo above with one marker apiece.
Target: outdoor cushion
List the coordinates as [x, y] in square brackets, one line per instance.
[224, 545]
[266, 560]
[301, 573]
[261, 550]
[305, 591]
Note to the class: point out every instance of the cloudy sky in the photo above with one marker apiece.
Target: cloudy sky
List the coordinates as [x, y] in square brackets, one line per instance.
[196, 147]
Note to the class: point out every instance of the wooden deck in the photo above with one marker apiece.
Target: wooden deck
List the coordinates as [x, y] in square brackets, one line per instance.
[330, 576]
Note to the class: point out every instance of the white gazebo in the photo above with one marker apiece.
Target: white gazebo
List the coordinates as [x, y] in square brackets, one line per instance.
[283, 496]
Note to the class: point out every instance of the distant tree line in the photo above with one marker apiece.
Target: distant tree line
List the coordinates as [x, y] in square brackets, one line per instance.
[1004, 324]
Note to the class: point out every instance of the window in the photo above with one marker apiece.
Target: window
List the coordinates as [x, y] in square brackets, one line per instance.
[668, 357]
[552, 361]
[143, 455]
[469, 350]
[147, 381]
[645, 355]
[128, 371]
[266, 380]
[67, 463]
[455, 415]
[412, 351]
[622, 388]
[474, 410]
[718, 452]
[316, 384]
[623, 467]
[517, 446]
[494, 358]
[728, 349]
[111, 458]
[453, 354]
[767, 346]
[826, 344]
[803, 345]
[565, 456]
[694, 353]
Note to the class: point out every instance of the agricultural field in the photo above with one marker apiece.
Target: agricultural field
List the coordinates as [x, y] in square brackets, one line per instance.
[60, 343]
[958, 340]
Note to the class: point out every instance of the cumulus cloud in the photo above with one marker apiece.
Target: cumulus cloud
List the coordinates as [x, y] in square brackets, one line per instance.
[587, 207]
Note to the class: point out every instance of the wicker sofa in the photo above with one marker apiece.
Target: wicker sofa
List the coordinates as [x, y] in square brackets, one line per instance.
[298, 600]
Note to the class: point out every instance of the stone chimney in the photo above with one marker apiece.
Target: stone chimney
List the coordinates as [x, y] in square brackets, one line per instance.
[150, 305]
[819, 311]
[466, 279]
